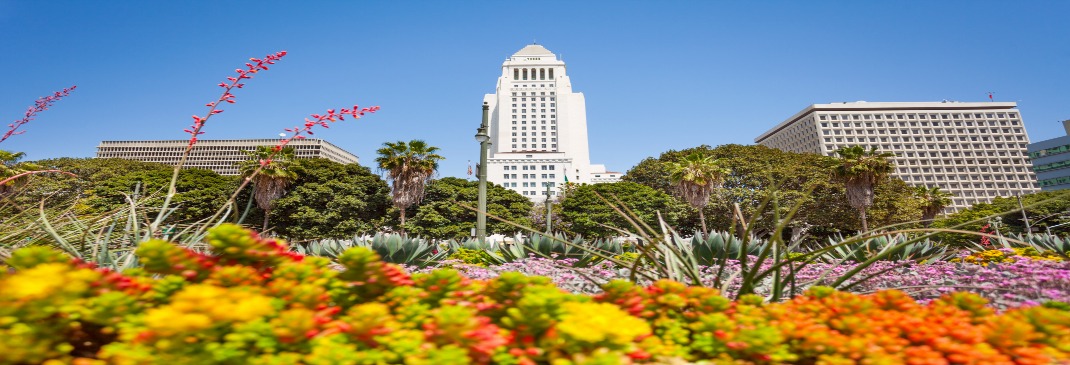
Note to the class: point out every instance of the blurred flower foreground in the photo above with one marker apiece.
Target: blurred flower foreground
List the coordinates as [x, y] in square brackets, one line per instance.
[251, 300]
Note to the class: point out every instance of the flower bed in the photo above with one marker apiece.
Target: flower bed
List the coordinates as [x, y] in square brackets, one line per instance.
[1007, 283]
[252, 302]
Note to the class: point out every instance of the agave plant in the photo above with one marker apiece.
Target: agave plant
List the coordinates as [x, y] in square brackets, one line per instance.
[707, 251]
[924, 251]
[1043, 243]
[557, 247]
[393, 248]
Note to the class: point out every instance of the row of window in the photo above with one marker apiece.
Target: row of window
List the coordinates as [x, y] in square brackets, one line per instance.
[909, 178]
[897, 147]
[1056, 181]
[1050, 151]
[929, 139]
[530, 167]
[1052, 166]
[533, 145]
[969, 123]
[909, 116]
[529, 176]
[541, 93]
[540, 73]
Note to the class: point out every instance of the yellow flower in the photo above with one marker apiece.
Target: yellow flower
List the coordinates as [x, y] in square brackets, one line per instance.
[47, 280]
[600, 324]
[201, 306]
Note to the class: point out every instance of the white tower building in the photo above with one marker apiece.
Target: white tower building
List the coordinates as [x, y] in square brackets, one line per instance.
[538, 127]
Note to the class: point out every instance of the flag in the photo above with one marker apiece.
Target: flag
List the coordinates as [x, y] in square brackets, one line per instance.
[566, 178]
[469, 167]
[990, 97]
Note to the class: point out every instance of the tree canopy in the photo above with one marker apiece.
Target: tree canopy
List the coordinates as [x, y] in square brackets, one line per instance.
[585, 213]
[103, 183]
[758, 173]
[331, 200]
[409, 166]
[1044, 209]
[440, 216]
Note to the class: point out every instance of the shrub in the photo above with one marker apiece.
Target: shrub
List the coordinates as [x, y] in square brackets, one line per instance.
[252, 301]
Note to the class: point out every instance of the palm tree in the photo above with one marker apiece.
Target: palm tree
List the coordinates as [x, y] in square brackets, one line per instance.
[409, 167]
[695, 178]
[860, 171]
[274, 177]
[933, 201]
[10, 166]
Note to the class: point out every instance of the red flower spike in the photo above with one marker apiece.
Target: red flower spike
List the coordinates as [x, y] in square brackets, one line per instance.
[40, 105]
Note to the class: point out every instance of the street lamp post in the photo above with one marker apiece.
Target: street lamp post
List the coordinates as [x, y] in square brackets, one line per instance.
[549, 223]
[484, 146]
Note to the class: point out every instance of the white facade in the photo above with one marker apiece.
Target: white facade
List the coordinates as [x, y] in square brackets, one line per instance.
[975, 151]
[538, 127]
[219, 155]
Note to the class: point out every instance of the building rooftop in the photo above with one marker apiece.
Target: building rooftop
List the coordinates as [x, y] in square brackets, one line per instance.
[533, 50]
[857, 106]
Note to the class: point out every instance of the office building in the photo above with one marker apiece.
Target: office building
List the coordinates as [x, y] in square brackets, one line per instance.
[220, 156]
[975, 151]
[1051, 161]
[538, 127]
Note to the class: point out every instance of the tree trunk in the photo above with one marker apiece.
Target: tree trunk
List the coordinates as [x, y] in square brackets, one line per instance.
[401, 227]
[862, 214]
[267, 213]
[702, 218]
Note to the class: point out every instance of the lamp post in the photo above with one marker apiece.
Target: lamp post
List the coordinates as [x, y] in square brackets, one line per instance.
[484, 146]
[549, 223]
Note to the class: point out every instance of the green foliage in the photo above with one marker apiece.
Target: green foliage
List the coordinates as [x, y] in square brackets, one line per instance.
[409, 166]
[471, 256]
[861, 171]
[392, 248]
[271, 171]
[797, 179]
[331, 200]
[894, 247]
[718, 245]
[104, 183]
[441, 215]
[588, 215]
[1044, 209]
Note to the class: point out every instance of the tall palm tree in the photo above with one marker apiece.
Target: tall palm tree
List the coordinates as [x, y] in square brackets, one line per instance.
[860, 171]
[695, 178]
[271, 182]
[933, 201]
[409, 166]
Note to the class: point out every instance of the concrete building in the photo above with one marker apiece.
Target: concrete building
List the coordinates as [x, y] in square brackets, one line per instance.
[538, 127]
[1051, 161]
[220, 156]
[975, 151]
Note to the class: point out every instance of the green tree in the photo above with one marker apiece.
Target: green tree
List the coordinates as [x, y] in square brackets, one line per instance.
[589, 215]
[1044, 209]
[933, 201]
[332, 200]
[410, 167]
[694, 179]
[274, 176]
[9, 167]
[759, 173]
[103, 184]
[441, 215]
[860, 171]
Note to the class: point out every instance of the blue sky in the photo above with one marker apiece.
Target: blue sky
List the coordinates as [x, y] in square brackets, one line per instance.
[656, 75]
